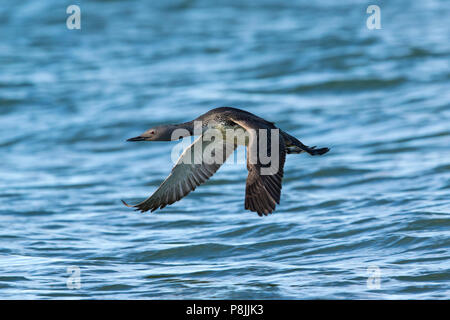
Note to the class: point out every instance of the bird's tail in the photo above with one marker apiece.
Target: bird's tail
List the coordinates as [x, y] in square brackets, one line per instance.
[296, 146]
[317, 152]
[311, 150]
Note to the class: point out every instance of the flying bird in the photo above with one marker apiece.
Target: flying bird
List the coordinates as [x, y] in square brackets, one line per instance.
[263, 186]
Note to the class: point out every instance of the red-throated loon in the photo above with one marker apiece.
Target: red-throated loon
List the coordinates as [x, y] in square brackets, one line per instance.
[263, 190]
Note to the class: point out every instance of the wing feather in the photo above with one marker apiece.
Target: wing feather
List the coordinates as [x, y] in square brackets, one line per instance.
[263, 191]
[185, 175]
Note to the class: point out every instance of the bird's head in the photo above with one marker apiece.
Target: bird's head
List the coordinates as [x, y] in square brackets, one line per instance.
[161, 133]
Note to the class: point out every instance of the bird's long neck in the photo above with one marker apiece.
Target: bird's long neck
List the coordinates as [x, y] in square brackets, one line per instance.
[184, 129]
[189, 126]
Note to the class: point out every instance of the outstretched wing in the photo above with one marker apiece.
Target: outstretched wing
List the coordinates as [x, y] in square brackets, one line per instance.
[192, 169]
[263, 187]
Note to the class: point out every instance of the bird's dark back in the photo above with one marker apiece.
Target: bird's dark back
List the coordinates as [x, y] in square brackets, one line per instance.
[224, 114]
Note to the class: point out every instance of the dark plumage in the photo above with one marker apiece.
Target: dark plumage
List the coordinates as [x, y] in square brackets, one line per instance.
[264, 183]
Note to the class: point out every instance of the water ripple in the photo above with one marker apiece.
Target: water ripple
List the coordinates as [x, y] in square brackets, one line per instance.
[378, 98]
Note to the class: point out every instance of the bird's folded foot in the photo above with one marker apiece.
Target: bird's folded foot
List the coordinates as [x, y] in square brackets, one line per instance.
[317, 152]
[311, 150]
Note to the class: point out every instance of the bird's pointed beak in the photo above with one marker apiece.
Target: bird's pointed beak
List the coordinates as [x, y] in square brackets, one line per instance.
[138, 138]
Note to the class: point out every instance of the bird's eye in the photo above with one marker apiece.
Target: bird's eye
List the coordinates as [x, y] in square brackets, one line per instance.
[152, 132]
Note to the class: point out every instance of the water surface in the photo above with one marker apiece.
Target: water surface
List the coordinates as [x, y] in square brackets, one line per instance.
[379, 200]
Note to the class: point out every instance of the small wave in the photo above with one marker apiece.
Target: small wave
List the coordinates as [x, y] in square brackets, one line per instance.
[189, 252]
[340, 171]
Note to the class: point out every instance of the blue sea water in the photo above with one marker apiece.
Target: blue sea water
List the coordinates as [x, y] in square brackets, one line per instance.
[368, 220]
